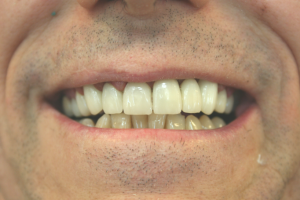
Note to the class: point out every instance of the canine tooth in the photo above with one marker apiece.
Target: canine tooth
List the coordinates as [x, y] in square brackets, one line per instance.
[218, 122]
[167, 97]
[175, 122]
[229, 105]
[104, 122]
[75, 108]
[192, 123]
[221, 102]
[206, 122]
[121, 121]
[137, 99]
[87, 122]
[139, 121]
[191, 96]
[93, 98]
[209, 91]
[82, 105]
[112, 99]
[156, 121]
[67, 106]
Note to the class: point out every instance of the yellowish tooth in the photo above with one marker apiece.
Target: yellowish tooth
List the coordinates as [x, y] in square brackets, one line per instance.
[156, 121]
[67, 106]
[218, 122]
[192, 123]
[209, 92]
[93, 99]
[112, 99]
[175, 122]
[104, 121]
[221, 102]
[191, 96]
[139, 121]
[206, 122]
[82, 106]
[229, 105]
[121, 121]
[87, 122]
[75, 108]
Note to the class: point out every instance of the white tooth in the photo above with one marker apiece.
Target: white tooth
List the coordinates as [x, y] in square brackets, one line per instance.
[229, 105]
[104, 122]
[156, 121]
[218, 122]
[191, 96]
[192, 123]
[139, 121]
[175, 122]
[82, 105]
[137, 99]
[67, 106]
[87, 122]
[167, 97]
[75, 108]
[221, 102]
[121, 121]
[206, 122]
[112, 99]
[209, 93]
[93, 99]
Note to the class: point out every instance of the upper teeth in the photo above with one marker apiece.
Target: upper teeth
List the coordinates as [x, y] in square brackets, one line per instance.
[137, 99]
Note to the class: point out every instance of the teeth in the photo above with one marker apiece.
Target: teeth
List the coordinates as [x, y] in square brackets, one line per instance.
[191, 96]
[192, 123]
[156, 121]
[75, 108]
[104, 122]
[67, 106]
[121, 121]
[82, 105]
[206, 122]
[229, 105]
[87, 122]
[175, 122]
[166, 97]
[93, 99]
[209, 92]
[221, 102]
[137, 99]
[139, 121]
[218, 122]
[112, 99]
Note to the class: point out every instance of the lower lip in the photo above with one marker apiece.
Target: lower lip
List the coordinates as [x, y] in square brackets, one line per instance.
[234, 128]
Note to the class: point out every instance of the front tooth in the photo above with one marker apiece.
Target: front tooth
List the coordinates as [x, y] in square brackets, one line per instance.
[121, 121]
[82, 104]
[221, 102]
[192, 123]
[87, 122]
[191, 96]
[218, 122]
[75, 108]
[139, 121]
[93, 99]
[156, 121]
[67, 106]
[206, 122]
[112, 99]
[137, 99]
[175, 122]
[229, 105]
[209, 92]
[166, 97]
[104, 122]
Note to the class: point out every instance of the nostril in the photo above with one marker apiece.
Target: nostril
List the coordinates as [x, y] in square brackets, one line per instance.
[199, 3]
[140, 7]
[88, 4]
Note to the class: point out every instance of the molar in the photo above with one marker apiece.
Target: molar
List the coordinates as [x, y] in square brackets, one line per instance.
[87, 122]
[229, 105]
[67, 106]
[218, 122]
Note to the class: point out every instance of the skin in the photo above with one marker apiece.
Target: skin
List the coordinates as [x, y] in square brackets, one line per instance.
[249, 45]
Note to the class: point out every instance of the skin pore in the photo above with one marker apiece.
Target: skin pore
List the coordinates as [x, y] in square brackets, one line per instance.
[249, 45]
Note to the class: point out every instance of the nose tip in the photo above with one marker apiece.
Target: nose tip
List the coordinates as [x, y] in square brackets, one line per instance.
[140, 7]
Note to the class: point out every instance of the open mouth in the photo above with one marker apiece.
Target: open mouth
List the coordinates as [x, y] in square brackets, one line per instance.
[189, 104]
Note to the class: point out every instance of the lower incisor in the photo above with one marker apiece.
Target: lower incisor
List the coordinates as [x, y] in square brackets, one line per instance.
[139, 121]
[175, 122]
[121, 121]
